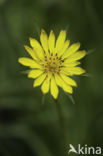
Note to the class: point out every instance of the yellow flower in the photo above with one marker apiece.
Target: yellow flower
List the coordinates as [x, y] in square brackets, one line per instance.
[53, 62]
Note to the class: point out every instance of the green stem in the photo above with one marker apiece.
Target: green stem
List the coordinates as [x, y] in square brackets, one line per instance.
[62, 120]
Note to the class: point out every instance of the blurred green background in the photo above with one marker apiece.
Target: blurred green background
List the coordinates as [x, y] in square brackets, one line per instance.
[30, 124]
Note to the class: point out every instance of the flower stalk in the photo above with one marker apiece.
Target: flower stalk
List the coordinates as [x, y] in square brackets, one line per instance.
[62, 120]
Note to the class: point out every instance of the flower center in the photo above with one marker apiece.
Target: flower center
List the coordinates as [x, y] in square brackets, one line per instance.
[52, 63]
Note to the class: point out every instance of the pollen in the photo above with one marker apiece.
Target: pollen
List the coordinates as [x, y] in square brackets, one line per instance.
[52, 64]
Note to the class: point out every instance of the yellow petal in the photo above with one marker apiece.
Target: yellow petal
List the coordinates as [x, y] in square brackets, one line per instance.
[53, 88]
[46, 84]
[65, 46]
[35, 73]
[68, 80]
[58, 80]
[71, 50]
[66, 72]
[60, 41]
[74, 71]
[51, 41]
[37, 47]
[77, 56]
[72, 64]
[29, 62]
[67, 88]
[44, 40]
[31, 52]
[39, 80]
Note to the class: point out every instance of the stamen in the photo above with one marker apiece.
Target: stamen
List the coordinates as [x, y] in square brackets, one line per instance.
[52, 63]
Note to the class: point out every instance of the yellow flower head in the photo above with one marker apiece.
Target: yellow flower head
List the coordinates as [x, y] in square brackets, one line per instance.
[53, 62]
